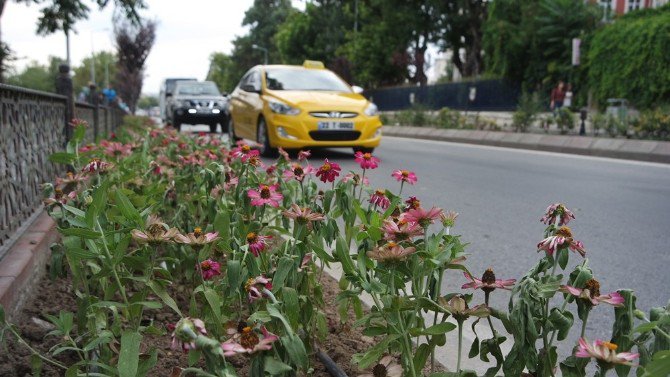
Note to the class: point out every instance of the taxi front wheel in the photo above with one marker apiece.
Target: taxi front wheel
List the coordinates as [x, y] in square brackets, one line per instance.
[263, 139]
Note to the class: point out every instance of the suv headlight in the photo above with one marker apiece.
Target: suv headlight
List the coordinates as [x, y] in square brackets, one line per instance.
[371, 110]
[282, 108]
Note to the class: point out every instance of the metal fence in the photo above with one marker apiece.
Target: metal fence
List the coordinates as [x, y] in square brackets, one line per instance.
[33, 125]
[485, 95]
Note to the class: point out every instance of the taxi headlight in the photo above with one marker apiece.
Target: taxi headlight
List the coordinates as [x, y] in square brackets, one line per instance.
[371, 110]
[282, 108]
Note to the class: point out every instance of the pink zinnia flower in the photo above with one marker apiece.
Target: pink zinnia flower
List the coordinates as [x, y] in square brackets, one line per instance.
[265, 195]
[258, 287]
[379, 198]
[248, 342]
[302, 215]
[185, 332]
[297, 172]
[356, 179]
[87, 148]
[391, 252]
[257, 243]
[59, 198]
[70, 182]
[488, 282]
[197, 238]
[591, 292]
[404, 176]
[97, 166]
[421, 216]
[116, 149]
[400, 231]
[328, 171]
[605, 352]
[366, 160]
[210, 269]
[244, 152]
[557, 211]
[284, 154]
[561, 239]
[304, 155]
[412, 203]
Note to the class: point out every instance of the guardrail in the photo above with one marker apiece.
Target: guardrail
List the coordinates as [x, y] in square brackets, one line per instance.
[33, 125]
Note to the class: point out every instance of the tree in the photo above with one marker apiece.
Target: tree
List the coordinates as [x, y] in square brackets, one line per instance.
[462, 29]
[62, 15]
[220, 72]
[133, 44]
[105, 64]
[37, 76]
[529, 41]
[147, 102]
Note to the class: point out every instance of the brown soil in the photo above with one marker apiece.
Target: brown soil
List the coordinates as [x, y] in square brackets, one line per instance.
[53, 296]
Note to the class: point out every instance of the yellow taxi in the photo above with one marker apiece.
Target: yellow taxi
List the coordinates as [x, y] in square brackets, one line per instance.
[300, 107]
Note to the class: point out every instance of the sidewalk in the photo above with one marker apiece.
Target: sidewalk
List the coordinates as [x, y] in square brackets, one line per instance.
[640, 150]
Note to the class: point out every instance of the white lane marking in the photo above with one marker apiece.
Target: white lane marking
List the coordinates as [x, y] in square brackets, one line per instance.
[531, 151]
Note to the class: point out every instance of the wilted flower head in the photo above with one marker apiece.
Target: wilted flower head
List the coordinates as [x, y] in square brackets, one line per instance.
[404, 176]
[379, 198]
[449, 219]
[421, 216]
[59, 198]
[387, 367]
[356, 179]
[458, 307]
[298, 172]
[366, 160]
[197, 237]
[400, 231]
[591, 293]
[265, 194]
[155, 231]
[303, 155]
[412, 203]
[185, 332]
[70, 182]
[76, 122]
[209, 269]
[97, 166]
[248, 342]
[391, 252]
[605, 352]
[257, 243]
[562, 238]
[557, 211]
[284, 154]
[488, 282]
[302, 215]
[258, 287]
[328, 171]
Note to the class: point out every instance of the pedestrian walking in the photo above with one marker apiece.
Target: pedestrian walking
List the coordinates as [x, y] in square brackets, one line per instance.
[557, 97]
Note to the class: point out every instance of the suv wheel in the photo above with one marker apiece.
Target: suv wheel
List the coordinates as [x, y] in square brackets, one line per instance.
[263, 139]
[232, 138]
[213, 127]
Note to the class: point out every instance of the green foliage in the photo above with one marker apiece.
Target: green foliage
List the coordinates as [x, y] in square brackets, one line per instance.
[527, 111]
[565, 119]
[447, 118]
[147, 102]
[105, 64]
[654, 124]
[415, 116]
[37, 76]
[629, 59]
[529, 41]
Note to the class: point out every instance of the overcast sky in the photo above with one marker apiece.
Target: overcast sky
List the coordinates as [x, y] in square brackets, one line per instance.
[188, 32]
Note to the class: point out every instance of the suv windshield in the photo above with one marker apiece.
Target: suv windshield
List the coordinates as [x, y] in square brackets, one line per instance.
[304, 79]
[197, 89]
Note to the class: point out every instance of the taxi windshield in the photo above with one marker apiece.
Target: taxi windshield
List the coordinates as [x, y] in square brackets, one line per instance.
[304, 79]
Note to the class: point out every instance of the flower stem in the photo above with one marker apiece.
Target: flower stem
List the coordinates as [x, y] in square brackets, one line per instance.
[360, 193]
[586, 317]
[460, 346]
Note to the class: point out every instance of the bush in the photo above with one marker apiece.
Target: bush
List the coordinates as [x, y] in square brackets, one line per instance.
[565, 120]
[598, 122]
[654, 124]
[447, 118]
[629, 59]
[526, 113]
[416, 116]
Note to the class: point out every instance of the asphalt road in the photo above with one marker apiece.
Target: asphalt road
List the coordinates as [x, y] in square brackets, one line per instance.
[622, 211]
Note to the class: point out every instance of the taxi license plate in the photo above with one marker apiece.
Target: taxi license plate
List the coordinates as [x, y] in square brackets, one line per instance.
[336, 125]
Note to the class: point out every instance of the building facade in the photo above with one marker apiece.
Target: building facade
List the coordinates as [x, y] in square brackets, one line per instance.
[620, 7]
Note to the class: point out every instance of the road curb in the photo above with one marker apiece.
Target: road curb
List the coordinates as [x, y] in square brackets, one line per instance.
[639, 150]
[24, 263]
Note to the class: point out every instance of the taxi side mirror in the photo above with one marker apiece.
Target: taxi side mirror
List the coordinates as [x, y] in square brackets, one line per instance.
[357, 89]
[250, 88]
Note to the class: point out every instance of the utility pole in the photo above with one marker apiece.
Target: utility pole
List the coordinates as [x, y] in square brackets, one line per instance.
[265, 52]
[356, 16]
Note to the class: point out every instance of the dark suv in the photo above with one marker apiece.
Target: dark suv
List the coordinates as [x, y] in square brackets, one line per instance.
[198, 103]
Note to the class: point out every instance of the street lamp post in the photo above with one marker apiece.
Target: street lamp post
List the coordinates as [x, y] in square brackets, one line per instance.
[265, 52]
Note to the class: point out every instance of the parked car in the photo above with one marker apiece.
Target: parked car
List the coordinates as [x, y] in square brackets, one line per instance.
[167, 88]
[198, 103]
[302, 106]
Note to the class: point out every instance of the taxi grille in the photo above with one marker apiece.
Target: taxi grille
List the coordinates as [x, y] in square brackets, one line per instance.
[335, 135]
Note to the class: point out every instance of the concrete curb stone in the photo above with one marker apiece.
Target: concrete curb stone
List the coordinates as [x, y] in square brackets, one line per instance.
[640, 150]
[25, 263]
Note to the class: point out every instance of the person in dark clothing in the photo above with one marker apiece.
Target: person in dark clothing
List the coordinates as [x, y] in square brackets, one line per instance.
[557, 96]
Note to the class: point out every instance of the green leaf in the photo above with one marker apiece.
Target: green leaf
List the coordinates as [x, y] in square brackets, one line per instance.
[147, 362]
[291, 306]
[2, 314]
[162, 293]
[420, 357]
[214, 302]
[126, 208]
[296, 350]
[659, 366]
[62, 157]
[275, 367]
[561, 321]
[440, 328]
[79, 232]
[129, 356]
[284, 269]
[372, 355]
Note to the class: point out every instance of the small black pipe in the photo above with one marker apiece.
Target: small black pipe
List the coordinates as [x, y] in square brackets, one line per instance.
[330, 365]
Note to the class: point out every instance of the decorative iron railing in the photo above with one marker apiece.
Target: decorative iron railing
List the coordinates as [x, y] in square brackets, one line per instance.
[33, 125]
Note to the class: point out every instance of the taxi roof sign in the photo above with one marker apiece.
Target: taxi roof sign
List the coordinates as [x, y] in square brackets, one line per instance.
[315, 64]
